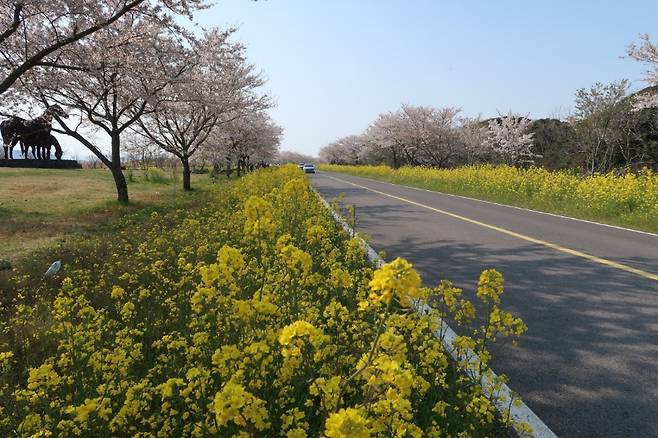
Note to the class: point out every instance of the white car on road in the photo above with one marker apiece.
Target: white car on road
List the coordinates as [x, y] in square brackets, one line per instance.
[309, 168]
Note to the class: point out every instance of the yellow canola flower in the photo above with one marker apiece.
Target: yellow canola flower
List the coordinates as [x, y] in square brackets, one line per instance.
[632, 195]
[340, 278]
[127, 310]
[490, 286]
[83, 411]
[299, 330]
[259, 218]
[394, 345]
[187, 326]
[297, 260]
[230, 263]
[5, 356]
[396, 278]
[295, 187]
[117, 292]
[385, 372]
[316, 233]
[167, 388]
[235, 404]
[347, 423]
[44, 376]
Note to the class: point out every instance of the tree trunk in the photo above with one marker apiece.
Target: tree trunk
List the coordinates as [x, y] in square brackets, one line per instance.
[187, 173]
[395, 159]
[119, 179]
[120, 182]
[228, 168]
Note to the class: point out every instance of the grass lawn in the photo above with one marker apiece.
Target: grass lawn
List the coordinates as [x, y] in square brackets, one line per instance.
[41, 206]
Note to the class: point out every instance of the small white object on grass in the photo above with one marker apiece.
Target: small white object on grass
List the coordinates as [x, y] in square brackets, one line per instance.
[54, 269]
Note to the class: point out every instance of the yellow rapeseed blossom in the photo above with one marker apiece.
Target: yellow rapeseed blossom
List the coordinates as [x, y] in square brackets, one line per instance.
[239, 317]
[234, 404]
[258, 214]
[630, 198]
[127, 310]
[117, 292]
[43, 377]
[81, 413]
[397, 278]
[167, 388]
[5, 357]
[298, 330]
[490, 286]
[347, 423]
[296, 259]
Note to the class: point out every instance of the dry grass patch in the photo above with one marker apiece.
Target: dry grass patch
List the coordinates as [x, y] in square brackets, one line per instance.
[40, 206]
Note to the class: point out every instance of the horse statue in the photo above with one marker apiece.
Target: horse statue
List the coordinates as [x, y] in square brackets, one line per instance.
[35, 132]
[53, 143]
[40, 146]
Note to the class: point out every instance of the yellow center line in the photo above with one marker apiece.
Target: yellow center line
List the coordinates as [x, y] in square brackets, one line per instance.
[554, 246]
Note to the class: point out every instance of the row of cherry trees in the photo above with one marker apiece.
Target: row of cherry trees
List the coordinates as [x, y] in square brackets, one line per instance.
[422, 135]
[127, 69]
[610, 128]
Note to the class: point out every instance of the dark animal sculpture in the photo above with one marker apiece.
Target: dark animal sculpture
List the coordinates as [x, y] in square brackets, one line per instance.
[9, 129]
[41, 145]
[30, 132]
[53, 143]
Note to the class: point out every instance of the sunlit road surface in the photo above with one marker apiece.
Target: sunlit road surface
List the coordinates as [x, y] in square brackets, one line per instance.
[588, 365]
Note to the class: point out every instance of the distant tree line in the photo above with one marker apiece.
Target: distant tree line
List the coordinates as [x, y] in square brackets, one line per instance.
[610, 129]
[294, 157]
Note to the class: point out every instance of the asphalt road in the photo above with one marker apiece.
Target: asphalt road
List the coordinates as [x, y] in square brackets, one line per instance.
[588, 365]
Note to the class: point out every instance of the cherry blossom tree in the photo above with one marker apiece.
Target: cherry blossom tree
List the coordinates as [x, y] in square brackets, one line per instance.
[34, 32]
[474, 134]
[510, 139]
[294, 157]
[386, 135]
[333, 154]
[219, 88]
[347, 150]
[645, 104]
[418, 135]
[433, 133]
[142, 152]
[248, 140]
[646, 52]
[111, 80]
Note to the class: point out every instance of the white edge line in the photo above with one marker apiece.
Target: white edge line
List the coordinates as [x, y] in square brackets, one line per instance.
[501, 205]
[504, 396]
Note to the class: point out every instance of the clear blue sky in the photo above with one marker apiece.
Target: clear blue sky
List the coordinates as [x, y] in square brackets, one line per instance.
[334, 65]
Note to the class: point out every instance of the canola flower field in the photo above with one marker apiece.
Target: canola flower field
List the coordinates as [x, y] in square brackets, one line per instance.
[253, 315]
[629, 200]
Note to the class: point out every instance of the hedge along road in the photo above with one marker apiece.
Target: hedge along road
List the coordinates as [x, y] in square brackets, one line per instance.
[588, 365]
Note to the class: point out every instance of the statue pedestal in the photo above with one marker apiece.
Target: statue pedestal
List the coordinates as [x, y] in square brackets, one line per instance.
[41, 164]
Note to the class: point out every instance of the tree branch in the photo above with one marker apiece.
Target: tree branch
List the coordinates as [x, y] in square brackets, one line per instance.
[18, 7]
[34, 60]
